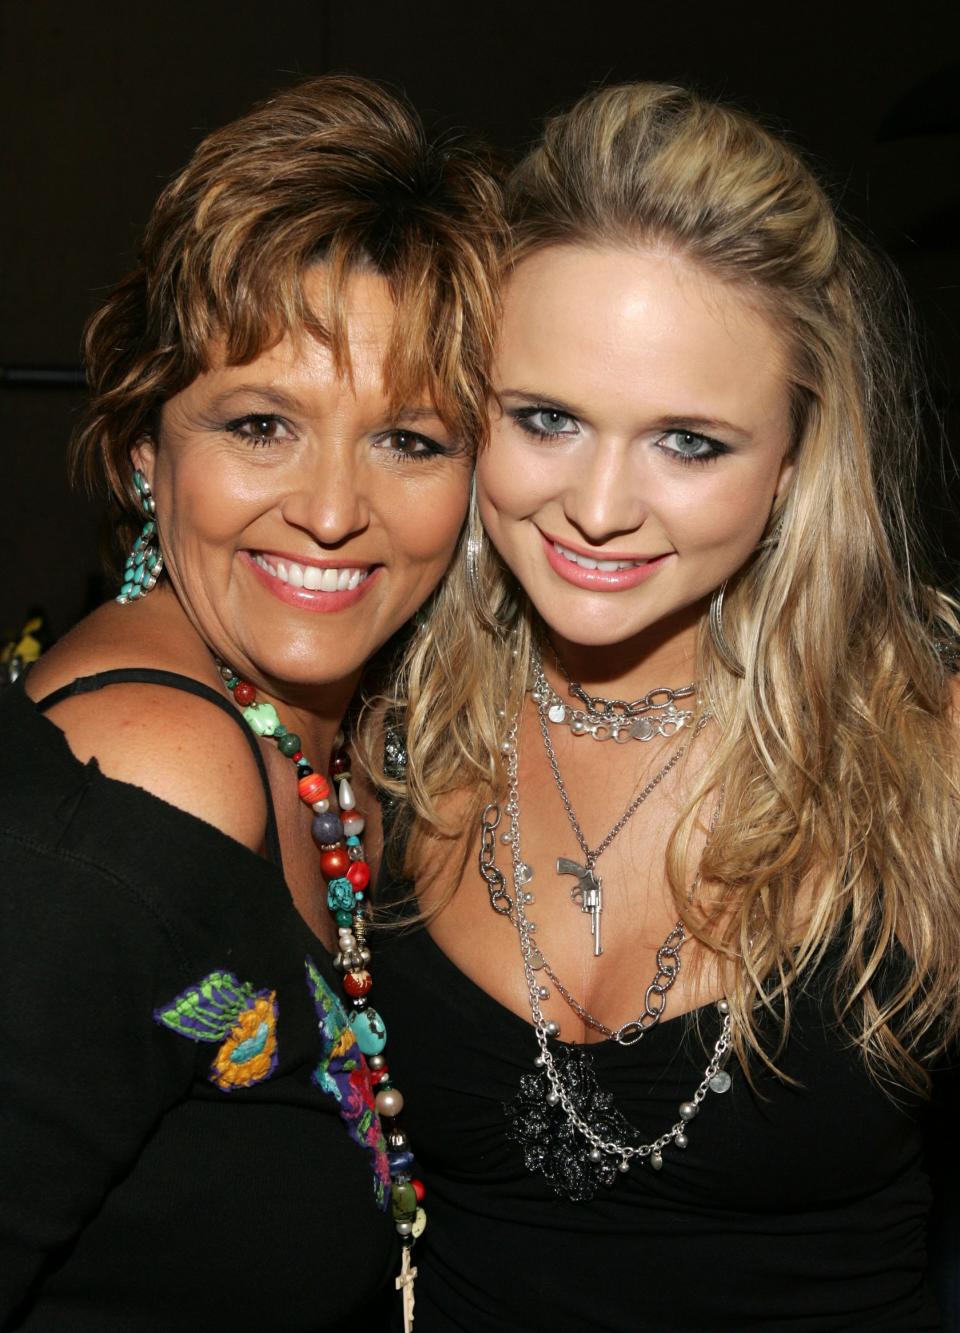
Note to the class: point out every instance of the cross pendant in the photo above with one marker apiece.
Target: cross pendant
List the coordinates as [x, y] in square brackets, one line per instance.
[404, 1283]
[588, 892]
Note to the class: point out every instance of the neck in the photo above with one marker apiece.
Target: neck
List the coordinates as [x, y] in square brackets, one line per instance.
[665, 654]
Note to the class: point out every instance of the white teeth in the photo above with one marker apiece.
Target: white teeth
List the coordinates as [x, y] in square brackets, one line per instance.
[587, 562]
[312, 577]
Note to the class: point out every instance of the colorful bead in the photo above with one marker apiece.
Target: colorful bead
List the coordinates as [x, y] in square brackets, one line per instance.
[389, 1102]
[369, 1030]
[399, 1162]
[354, 824]
[419, 1190]
[340, 765]
[403, 1202]
[261, 718]
[344, 918]
[358, 873]
[336, 861]
[289, 745]
[340, 895]
[312, 788]
[358, 983]
[326, 828]
[244, 693]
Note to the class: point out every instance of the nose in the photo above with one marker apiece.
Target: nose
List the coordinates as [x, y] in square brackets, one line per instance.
[604, 499]
[329, 498]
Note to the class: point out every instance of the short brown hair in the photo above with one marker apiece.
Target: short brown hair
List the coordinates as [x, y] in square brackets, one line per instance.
[337, 169]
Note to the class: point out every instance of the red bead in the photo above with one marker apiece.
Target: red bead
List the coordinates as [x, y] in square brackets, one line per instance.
[357, 983]
[314, 787]
[244, 693]
[359, 875]
[418, 1190]
[297, 757]
[334, 862]
[378, 1075]
[341, 764]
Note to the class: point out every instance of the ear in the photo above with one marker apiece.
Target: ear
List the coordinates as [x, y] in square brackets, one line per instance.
[787, 469]
[143, 456]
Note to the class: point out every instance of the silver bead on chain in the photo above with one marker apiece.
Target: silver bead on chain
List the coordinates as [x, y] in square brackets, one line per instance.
[714, 1077]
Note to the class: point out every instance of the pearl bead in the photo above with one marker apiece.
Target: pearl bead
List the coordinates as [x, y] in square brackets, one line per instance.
[724, 1007]
[553, 1098]
[578, 726]
[389, 1102]
[543, 992]
[365, 956]
[320, 807]
[539, 1061]
[688, 1110]
[404, 1228]
[552, 1029]
[595, 1155]
[656, 1161]
[624, 1166]
[376, 1061]
[507, 747]
[506, 838]
[345, 795]
[681, 1140]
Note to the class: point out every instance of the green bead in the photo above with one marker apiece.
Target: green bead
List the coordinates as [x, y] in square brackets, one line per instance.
[262, 718]
[403, 1202]
[289, 744]
[344, 918]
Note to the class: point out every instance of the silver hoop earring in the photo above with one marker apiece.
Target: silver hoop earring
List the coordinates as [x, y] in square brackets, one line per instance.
[726, 654]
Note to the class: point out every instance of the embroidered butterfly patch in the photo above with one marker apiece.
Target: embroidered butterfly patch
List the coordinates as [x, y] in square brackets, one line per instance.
[222, 1009]
[343, 1073]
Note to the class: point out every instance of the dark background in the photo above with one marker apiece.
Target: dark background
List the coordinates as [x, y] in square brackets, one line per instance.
[103, 101]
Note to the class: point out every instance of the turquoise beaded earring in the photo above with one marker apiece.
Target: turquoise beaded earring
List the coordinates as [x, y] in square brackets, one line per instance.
[144, 563]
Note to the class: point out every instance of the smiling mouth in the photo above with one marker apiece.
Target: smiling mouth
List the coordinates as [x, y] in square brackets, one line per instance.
[588, 562]
[312, 578]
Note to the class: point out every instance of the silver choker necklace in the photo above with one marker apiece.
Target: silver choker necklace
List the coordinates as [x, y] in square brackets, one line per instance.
[653, 714]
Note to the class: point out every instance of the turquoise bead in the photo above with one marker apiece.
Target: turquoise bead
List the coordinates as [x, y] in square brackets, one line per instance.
[289, 744]
[262, 718]
[353, 841]
[340, 895]
[343, 918]
[369, 1030]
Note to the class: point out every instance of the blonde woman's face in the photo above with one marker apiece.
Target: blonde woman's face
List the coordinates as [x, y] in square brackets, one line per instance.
[302, 517]
[640, 439]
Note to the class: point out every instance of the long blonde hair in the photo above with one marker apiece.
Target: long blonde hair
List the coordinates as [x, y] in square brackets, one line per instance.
[837, 752]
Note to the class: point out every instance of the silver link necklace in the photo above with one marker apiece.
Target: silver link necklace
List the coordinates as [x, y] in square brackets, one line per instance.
[600, 1147]
[587, 892]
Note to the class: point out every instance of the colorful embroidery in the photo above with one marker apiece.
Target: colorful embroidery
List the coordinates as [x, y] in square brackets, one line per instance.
[220, 1008]
[344, 1074]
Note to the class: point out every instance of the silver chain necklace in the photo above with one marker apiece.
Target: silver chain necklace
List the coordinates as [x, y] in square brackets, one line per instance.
[653, 714]
[668, 954]
[588, 889]
[569, 1089]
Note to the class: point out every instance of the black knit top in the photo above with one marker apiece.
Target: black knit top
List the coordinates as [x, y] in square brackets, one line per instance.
[185, 1141]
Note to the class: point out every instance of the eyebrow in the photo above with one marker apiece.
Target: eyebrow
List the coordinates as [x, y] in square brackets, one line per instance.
[273, 397]
[678, 421]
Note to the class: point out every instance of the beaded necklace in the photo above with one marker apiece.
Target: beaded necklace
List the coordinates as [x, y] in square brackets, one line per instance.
[347, 876]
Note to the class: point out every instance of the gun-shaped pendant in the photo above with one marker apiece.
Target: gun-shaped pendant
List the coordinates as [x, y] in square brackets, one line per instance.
[588, 892]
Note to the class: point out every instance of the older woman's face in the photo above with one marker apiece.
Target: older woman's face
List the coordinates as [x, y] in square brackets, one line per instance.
[642, 440]
[302, 521]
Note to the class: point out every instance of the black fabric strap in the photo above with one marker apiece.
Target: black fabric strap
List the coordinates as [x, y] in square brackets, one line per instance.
[174, 681]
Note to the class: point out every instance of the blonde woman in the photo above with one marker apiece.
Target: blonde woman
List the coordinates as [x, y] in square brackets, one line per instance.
[684, 788]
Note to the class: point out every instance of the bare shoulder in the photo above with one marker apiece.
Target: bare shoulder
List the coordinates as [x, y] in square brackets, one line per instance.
[175, 745]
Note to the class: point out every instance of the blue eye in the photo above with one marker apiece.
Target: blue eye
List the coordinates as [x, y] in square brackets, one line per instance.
[546, 423]
[689, 447]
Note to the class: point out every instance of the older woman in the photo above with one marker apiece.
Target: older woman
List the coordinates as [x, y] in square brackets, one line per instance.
[285, 396]
[688, 972]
